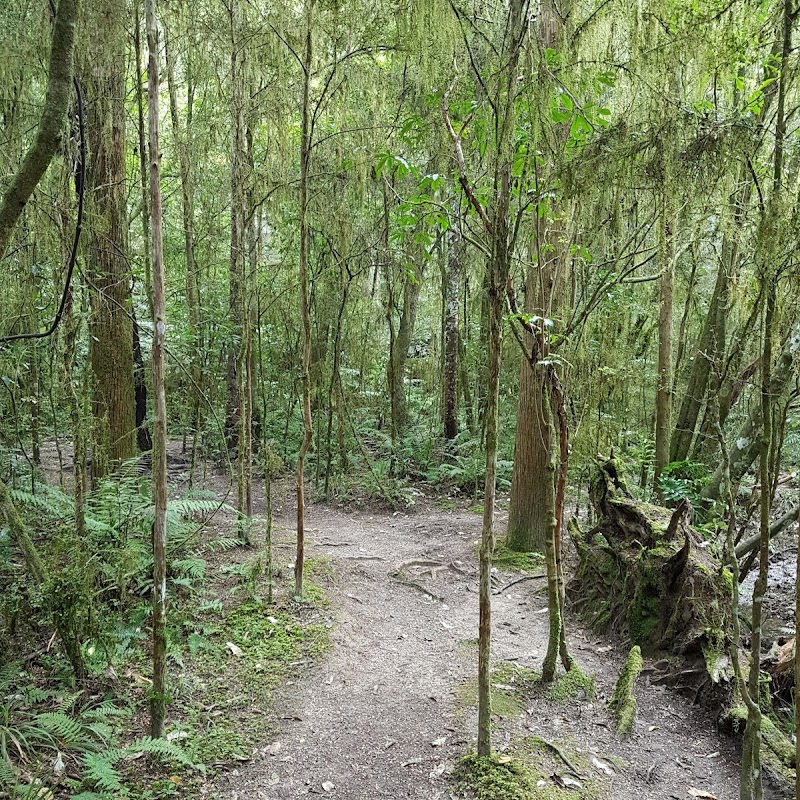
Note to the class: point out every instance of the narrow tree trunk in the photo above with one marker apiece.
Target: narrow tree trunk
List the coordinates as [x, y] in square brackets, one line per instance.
[453, 280]
[305, 311]
[143, 179]
[797, 667]
[158, 697]
[192, 284]
[664, 373]
[236, 265]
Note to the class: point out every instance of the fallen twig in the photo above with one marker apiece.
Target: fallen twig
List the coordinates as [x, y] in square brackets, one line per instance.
[520, 580]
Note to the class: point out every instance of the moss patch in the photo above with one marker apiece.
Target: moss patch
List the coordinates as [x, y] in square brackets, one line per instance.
[505, 558]
[513, 686]
[571, 685]
[505, 703]
[494, 778]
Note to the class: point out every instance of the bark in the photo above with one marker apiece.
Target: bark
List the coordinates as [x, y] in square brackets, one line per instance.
[664, 373]
[453, 280]
[710, 344]
[110, 327]
[237, 254]
[182, 145]
[51, 124]
[530, 508]
[797, 668]
[158, 696]
[305, 311]
[143, 179]
[548, 511]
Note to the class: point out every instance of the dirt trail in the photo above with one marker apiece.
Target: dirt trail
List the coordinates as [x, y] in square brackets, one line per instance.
[379, 718]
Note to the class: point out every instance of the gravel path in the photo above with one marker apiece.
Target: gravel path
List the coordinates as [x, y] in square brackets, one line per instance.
[379, 717]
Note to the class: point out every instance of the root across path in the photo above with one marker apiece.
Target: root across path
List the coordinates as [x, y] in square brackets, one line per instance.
[389, 710]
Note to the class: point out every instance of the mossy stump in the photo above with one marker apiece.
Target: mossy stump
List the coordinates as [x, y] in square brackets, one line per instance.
[623, 701]
[644, 572]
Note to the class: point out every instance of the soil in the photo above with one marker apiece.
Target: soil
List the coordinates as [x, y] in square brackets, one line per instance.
[388, 712]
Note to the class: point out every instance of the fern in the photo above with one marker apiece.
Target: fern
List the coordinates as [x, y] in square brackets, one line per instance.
[192, 568]
[64, 732]
[8, 775]
[100, 771]
[225, 543]
[166, 751]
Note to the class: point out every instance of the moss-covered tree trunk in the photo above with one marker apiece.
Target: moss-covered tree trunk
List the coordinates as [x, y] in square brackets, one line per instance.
[51, 124]
[110, 326]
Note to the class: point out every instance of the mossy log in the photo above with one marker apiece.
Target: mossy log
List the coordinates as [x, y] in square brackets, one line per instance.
[644, 572]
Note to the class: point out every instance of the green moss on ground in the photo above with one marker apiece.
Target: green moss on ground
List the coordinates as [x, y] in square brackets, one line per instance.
[505, 558]
[505, 703]
[494, 778]
[571, 685]
[513, 686]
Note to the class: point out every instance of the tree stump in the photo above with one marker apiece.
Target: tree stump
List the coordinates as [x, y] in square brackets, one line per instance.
[645, 573]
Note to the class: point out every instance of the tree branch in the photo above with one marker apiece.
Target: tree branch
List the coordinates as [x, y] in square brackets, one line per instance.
[51, 124]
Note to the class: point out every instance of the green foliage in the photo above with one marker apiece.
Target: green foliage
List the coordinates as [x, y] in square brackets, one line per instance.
[31, 737]
[683, 480]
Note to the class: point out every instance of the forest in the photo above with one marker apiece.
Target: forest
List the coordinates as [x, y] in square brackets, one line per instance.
[399, 399]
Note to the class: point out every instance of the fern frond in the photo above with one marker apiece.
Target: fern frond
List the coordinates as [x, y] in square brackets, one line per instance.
[193, 568]
[100, 770]
[225, 543]
[56, 725]
[161, 748]
[8, 775]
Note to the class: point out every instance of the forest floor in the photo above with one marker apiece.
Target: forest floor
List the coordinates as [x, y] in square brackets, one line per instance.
[386, 706]
[391, 707]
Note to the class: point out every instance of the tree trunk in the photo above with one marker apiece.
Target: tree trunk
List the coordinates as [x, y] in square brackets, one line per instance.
[51, 124]
[530, 508]
[182, 145]
[664, 374]
[305, 311]
[110, 327]
[143, 178]
[237, 255]
[453, 279]
[158, 696]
